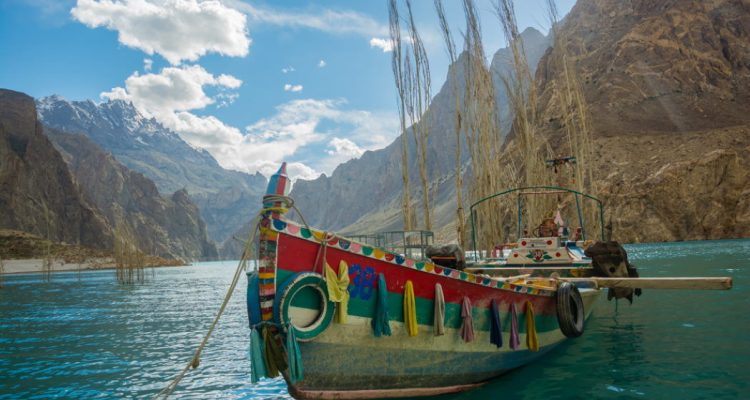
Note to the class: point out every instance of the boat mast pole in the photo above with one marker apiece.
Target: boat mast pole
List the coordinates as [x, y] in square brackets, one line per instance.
[580, 217]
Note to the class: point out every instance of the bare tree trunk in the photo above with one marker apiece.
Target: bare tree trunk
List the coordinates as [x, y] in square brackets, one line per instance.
[451, 48]
[398, 75]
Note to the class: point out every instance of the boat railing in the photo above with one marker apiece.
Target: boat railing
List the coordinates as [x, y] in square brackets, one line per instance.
[411, 244]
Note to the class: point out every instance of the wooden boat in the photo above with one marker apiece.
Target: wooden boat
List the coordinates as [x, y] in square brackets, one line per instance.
[354, 357]
[407, 327]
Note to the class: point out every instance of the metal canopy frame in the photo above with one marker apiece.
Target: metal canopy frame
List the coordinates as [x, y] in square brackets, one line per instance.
[536, 190]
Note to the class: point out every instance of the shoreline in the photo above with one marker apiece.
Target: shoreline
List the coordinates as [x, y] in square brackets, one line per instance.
[36, 266]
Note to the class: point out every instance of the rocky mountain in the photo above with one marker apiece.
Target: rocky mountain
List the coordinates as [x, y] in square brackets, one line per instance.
[37, 193]
[535, 44]
[669, 66]
[667, 89]
[169, 227]
[667, 86]
[142, 144]
[363, 195]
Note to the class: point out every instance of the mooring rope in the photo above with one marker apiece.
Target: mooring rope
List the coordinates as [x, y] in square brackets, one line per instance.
[195, 360]
[241, 267]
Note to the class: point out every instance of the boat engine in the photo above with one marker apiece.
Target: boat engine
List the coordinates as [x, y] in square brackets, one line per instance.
[610, 260]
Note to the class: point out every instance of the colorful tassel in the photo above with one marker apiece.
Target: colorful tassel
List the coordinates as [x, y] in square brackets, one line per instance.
[380, 324]
[258, 366]
[338, 289]
[272, 354]
[514, 340]
[496, 329]
[410, 310]
[467, 326]
[532, 342]
[439, 324]
[294, 357]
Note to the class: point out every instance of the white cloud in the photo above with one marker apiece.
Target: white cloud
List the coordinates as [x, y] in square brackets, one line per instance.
[287, 70]
[147, 64]
[322, 129]
[344, 147]
[228, 81]
[297, 125]
[326, 20]
[226, 99]
[322, 64]
[173, 89]
[171, 94]
[292, 88]
[176, 29]
[384, 44]
[298, 170]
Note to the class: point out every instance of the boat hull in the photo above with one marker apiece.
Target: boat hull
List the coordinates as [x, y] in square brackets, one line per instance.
[347, 361]
[347, 358]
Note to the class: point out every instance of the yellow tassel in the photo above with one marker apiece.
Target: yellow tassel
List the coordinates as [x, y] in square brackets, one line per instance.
[410, 310]
[532, 342]
[338, 289]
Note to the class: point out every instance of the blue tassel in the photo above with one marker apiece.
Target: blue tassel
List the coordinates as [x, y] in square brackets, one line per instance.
[496, 330]
[380, 325]
[258, 366]
[294, 357]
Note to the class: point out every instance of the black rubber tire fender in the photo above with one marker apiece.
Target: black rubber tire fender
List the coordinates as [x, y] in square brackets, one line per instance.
[570, 313]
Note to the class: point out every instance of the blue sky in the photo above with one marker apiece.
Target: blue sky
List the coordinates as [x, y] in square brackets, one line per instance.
[254, 83]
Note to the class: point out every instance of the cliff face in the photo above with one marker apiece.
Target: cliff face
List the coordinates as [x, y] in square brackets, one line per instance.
[667, 85]
[144, 145]
[167, 227]
[701, 190]
[363, 195]
[34, 177]
[673, 65]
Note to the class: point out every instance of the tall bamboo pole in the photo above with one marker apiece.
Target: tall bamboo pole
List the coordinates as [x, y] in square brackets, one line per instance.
[398, 75]
[420, 124]
[453, 79]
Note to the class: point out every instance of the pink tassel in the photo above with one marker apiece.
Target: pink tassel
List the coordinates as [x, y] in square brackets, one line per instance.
[467, 326]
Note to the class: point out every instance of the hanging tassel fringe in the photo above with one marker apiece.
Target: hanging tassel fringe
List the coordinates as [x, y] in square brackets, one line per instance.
[294, 357]
[410, 310]
[272, 354]
[514, 340]
[467, 326]
[532, 342]
[496, 329]
[439, 324]
[380, 325]
[338, 289]
[258, 366]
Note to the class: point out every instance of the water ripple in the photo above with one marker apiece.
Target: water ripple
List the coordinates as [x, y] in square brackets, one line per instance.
[90, 338]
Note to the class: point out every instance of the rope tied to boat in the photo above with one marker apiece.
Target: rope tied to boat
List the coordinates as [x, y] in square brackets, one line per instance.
[320, 256]
[285, 203]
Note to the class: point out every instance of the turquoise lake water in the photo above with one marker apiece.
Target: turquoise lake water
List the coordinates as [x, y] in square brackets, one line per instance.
[92, 338]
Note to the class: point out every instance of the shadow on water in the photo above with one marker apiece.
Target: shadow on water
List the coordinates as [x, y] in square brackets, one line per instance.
[92, 338]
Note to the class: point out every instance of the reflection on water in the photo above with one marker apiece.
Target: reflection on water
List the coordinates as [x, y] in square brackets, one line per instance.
[94, 338]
